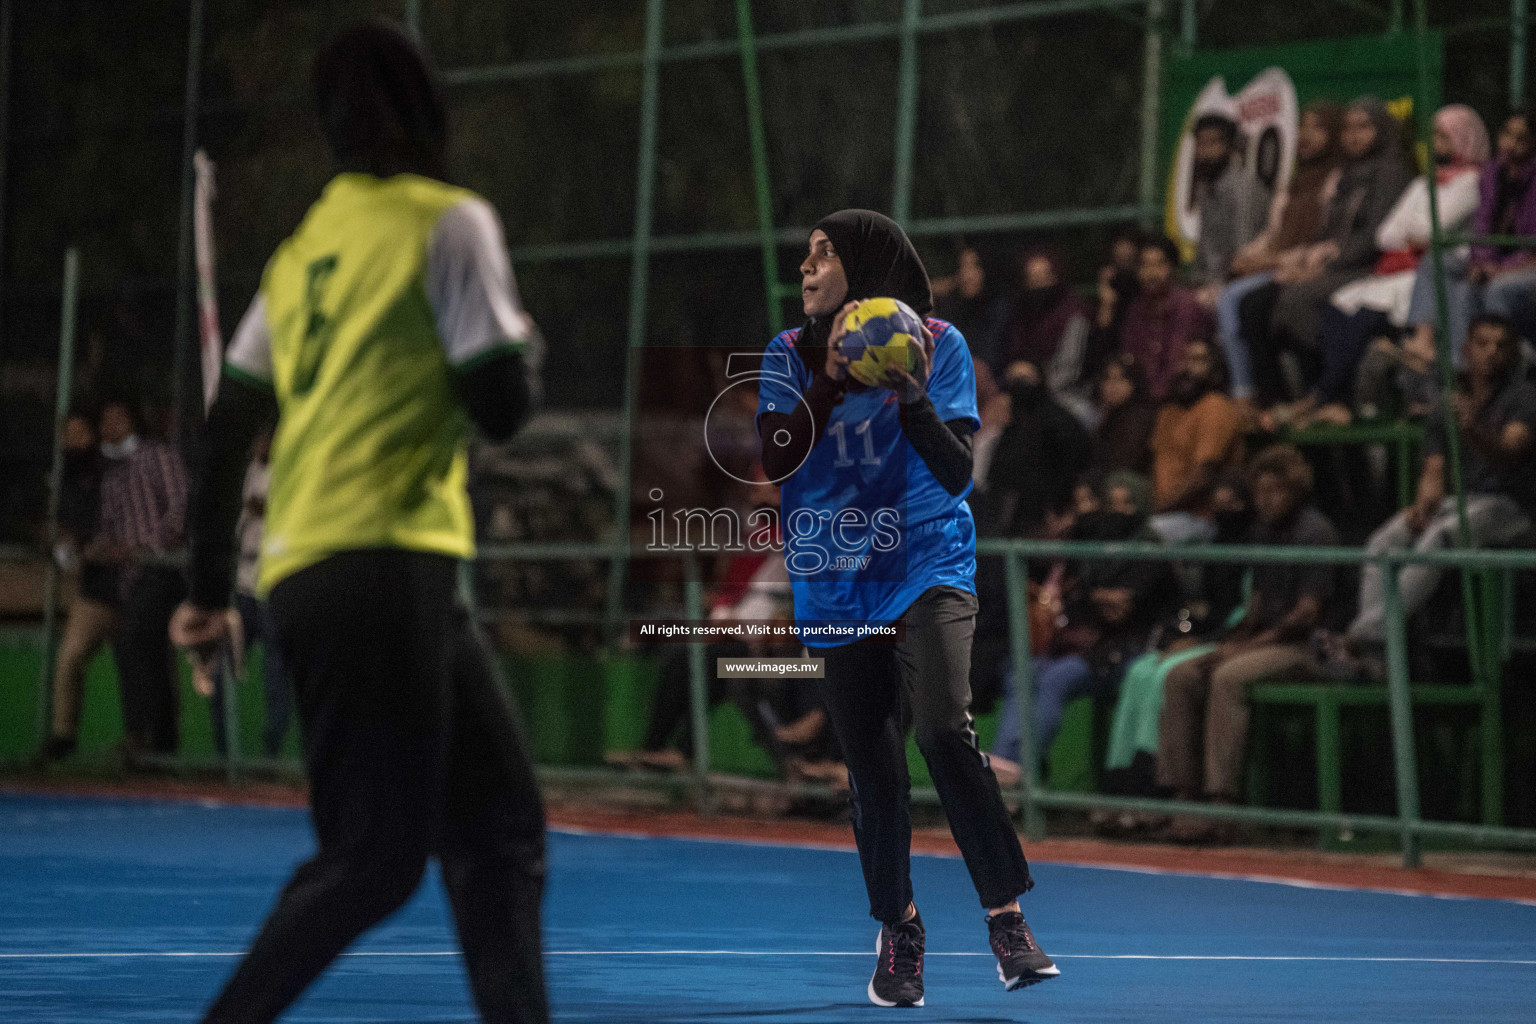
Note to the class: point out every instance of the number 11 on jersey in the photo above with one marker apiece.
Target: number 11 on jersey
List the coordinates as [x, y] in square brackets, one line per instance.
[839, 430]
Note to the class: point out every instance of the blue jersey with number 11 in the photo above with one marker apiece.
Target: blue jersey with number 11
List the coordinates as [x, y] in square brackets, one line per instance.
[867, 527]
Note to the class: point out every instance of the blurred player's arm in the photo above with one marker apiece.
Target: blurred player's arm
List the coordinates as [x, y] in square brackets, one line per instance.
[245, 405]
[491, 343]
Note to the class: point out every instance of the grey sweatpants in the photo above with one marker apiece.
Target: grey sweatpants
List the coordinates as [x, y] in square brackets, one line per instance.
[1491, 519]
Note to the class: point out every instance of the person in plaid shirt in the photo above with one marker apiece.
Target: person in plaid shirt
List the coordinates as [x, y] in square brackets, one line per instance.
[143, 531]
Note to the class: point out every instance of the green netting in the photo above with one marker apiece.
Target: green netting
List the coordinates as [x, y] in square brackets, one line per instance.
[556, 155]
[1028, 116]
[1025, 126]
[1024, 112]
[465, 33]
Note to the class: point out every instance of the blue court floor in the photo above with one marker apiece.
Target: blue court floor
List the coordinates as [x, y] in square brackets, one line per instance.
[114, 912]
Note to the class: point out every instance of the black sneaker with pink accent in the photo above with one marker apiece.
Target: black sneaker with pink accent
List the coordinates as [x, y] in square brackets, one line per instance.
[1020, 960]
[898, 977]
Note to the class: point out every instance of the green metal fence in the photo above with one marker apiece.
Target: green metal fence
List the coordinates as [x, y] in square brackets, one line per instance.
[1034, 797]
[1153, 17]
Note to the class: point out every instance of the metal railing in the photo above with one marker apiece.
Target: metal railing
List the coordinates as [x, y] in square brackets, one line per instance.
[1408, 823]
[1153, 17]
[1033, 797]
[643, 243]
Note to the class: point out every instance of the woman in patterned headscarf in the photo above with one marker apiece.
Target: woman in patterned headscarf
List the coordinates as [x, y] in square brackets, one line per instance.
[1379, 304]
[1375, 173]
[1487, 279]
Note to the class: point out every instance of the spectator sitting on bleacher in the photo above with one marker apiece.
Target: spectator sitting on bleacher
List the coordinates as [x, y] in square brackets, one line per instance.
[1295, 222]
[1233, 203]
[1028, 455]
[1272, 639]
[1163, 318]
[1198, 435]
[1214, 604]
[969, 299]
[996, 408]
[1495, 409]
[1110, 609]
[1123, 438]
[1496, 279]
[1118, 285]
[1046, 333]
[786, 717]
[1375, 173]
[1037, 459]
[755, 589]
[1380, 304]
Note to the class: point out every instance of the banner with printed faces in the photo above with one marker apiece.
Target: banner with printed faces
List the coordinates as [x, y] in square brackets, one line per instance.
[1263, 90]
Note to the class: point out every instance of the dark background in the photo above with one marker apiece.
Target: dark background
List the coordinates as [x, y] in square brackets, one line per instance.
[1034, 115]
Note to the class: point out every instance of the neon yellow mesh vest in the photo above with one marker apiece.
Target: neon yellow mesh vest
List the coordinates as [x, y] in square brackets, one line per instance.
[370, 449]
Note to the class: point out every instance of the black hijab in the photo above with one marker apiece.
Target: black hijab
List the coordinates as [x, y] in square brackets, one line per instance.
[1370, 184]
[380, 105]
[879, 262]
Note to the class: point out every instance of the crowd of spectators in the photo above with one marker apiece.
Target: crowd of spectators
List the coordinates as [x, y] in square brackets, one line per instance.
[1163, 406]
[122, 540]
[123, 523]
[1156, 406]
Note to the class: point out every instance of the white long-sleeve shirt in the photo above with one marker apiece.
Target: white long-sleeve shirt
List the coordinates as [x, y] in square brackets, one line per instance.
[1407, 227]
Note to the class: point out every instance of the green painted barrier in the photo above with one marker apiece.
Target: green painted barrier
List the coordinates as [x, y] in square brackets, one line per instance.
[101, 717]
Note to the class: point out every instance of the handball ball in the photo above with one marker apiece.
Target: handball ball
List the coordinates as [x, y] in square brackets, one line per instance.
[881, 333]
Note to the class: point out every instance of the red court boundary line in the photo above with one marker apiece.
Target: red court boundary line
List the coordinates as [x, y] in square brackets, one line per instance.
[1299, 867]
[1348, 871]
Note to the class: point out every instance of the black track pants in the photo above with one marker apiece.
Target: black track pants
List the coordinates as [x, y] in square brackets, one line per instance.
[874, 691]
[413, 750]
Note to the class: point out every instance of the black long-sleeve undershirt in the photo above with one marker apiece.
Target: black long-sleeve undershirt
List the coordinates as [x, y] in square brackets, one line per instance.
[805, 426]
[497, 393]
[219, 457]
[945, 447]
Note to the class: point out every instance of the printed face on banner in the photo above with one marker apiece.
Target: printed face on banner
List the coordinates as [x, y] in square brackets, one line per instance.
[1266, 113]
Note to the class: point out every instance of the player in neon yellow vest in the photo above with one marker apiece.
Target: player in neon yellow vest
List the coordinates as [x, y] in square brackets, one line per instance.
[385, 327]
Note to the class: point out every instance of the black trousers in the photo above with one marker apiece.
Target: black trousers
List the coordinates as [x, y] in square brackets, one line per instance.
[413, 750]
[1255, 313]
[146, 671]
[874, 692]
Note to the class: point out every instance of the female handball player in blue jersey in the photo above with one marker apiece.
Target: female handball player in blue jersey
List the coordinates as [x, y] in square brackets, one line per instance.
[877, 533]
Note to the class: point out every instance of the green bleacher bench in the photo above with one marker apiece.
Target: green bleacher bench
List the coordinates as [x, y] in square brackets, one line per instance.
[1489, 647]
[1327, 701]
[1402, 436]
